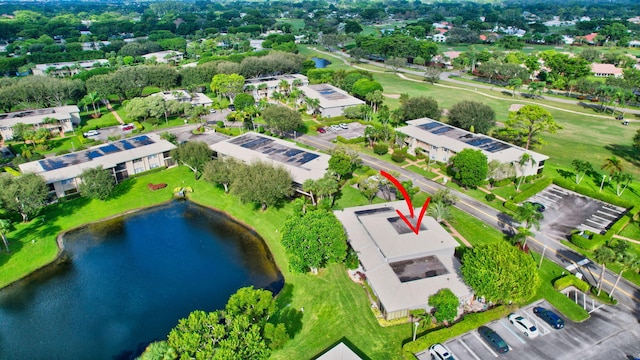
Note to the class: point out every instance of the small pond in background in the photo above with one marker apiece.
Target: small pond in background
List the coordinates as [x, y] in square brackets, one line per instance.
[126, 282]
[321, 63]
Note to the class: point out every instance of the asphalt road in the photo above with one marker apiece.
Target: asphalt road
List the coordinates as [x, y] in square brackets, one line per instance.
[627, 294]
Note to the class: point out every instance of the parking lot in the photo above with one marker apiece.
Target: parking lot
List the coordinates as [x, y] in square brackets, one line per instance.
[353, 131]
[567, 210]
[609, 334]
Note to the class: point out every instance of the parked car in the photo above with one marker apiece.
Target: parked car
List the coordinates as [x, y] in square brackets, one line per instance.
[523, 325]
[549, 316]
[321, 130]
[127, 127]
[336, 128]
[343, 126]
[212, 111]
[440, 352]
[91, 133]
[493, 339]
[538, 206]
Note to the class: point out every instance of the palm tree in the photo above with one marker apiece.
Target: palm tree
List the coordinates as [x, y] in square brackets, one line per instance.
[522, 164]
[622, 180]
[284, 86]
[5, 226]
[440, 211]
[314, 104]
[92, 98]
[529, 215]
[521, 236]
[627, 262]
[613, 165]
[603, 255]
[262, 88]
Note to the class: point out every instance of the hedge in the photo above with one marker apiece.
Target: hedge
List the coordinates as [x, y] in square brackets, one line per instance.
[624, 221]
[534, 189]
[469, 322]
[568, 280]
[343, 140]
[586, 191]
[592, 243]
[12, 171]
[511, 206]
[381, 148]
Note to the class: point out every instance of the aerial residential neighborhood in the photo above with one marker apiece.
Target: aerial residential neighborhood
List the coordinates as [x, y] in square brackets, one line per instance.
[320, 180]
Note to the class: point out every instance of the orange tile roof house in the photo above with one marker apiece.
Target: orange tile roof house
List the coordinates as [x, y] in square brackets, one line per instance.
[605, 70]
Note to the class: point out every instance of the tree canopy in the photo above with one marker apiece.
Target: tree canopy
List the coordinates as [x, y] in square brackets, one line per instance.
[419, 107]
[524, 127]
[97, 183]
[262, 183]
[193, 154]
[500, 272]
[445, 304]
[227, 85]
[222, 171]
[470, 167]
[282, 119]
[467, 114]
[25, 194]
[314, 240]
[343, 162]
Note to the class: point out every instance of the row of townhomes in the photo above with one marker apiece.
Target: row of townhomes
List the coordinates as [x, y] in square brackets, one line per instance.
[58, 120]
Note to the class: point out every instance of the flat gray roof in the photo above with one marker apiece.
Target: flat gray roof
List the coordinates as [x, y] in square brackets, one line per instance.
[31, 117]
[109, 155]
[330, 96]
[447, 136]
[381, 247]
[302, 163]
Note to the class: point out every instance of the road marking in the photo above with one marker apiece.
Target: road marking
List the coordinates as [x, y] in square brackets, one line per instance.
[484, 344]
[469, 350]
[509, 328]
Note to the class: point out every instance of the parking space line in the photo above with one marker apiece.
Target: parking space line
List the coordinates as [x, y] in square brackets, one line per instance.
[509, 328]
[469, 350]
[614, 215]
[542, 327]
[484, 344]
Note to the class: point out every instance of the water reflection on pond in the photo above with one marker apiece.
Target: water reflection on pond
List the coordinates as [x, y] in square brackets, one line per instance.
[125, 282]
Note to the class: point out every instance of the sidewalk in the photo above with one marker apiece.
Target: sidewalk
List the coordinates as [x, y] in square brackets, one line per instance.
[115, 113]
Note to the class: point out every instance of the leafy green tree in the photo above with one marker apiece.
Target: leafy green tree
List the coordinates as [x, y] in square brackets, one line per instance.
[193, 154]
[613, 165]
[369, 186]
[26, 194]
[603, 255]
[243, 101]
[257, 304]
[500, 272]
[343, 162]
[419, 107]
[444, 196]
[364, 86]
[5, 227]
[222, 171]
[470, 167]
[395, 63]
[227, 85]
[352, 27]
[97, 183]
[314, 240]
[622, 181]
[262, 183]
[627, 261]
[523, 162]
[581, 167]
[525, 125]
[445, 303]
[528, 214]
[282, 119]
[466, 114]
[159, 350]
[431, 73]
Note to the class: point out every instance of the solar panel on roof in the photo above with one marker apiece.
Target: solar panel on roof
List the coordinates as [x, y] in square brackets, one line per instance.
[497, 147]
[441, 130]
[142, 140]
[256, 143]
[292, 152]
[127, 145]
[109, 149]
[92, 154]
[307, 157]
[429, 126]
[372, 211]
[479, 142]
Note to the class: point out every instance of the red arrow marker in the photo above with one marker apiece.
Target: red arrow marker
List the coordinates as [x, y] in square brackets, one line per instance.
[405, 194]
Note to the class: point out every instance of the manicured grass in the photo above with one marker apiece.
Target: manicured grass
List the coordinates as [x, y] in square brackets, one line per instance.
[631, 231]
[421, 171]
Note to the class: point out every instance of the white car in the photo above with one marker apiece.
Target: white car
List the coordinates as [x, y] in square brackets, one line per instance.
[343, 126]
[336, 128]
[91, 133]
[523, 325]
[440, 352]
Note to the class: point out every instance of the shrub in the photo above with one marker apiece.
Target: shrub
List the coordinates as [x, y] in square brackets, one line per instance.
[511, 206]
[568, 280]
[399, 155]
[62, 152]
[490, 197]
[343, 140]
[534, 189]
[412, 157]
[587, 240]
[586, 191]
[380, 148]
[220, 124]
[12, 171]
[156, 186]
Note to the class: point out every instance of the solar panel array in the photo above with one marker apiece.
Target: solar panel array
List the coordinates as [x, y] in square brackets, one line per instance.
[481, 142]
[273, 150]
[80, 157]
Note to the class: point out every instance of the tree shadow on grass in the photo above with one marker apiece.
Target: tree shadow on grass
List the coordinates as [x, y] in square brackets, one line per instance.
[566, 174]
[626, 152]
[290, 316]
[123, 188]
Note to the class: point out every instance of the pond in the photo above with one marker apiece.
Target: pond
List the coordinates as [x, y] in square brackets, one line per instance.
[321, 63]
[126, 282]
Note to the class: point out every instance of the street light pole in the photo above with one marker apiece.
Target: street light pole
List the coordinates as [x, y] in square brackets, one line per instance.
[542, 257]
[415, 329]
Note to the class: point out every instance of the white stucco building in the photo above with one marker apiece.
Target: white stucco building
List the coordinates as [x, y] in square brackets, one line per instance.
[58, 119]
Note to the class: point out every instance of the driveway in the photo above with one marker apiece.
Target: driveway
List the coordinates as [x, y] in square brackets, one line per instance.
[610, 333]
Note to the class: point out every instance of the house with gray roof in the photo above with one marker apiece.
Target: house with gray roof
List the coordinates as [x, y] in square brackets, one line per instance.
[403, 268]
[122, 158]
[442, 141]
[302, 164]
[59, 119]
[333, 100]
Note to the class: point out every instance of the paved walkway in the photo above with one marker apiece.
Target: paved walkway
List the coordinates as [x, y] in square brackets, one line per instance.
[626, 239]
[115, 113]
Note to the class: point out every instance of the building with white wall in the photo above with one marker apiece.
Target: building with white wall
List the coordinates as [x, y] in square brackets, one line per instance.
[58, 119]
[333, 100]
[69, 68]
[195, 99]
